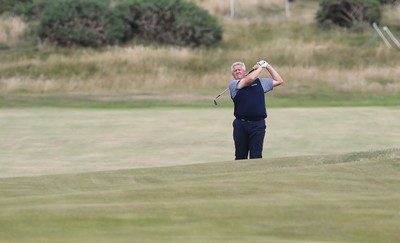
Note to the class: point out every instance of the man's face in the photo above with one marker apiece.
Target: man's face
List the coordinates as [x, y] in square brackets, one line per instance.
[238, 72]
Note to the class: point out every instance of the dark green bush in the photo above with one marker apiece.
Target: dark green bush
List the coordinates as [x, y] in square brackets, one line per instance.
[9, 5]
[80, 23]
[175, 22]
[194, 26]
[389, 1]
[34, 9]
[31, 9]
[346, 13]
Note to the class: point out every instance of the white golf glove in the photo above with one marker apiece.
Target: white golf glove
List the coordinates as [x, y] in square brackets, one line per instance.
[263, 63]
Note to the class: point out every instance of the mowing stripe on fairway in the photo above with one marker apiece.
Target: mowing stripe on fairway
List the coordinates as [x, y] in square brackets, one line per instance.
[52, 141]
[351, 197]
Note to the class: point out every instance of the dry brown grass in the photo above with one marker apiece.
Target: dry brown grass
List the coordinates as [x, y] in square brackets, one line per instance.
[241, 8]
[392, 14]
[11, 29]
[370, 80]
[141, 69]
[309, 60]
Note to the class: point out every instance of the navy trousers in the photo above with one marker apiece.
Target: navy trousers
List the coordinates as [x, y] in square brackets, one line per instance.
[249, 138]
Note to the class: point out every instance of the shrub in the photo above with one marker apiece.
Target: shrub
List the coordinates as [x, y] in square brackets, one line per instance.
[80, 23]
[389, 1]
[9, 5]
[196, 27]
[33, 10]
[345, 13]
[169, 21]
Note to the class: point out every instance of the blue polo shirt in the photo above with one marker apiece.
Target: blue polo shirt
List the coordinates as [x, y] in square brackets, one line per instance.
[249, 102]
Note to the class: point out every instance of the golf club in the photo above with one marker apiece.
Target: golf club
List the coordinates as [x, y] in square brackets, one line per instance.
[215, 100]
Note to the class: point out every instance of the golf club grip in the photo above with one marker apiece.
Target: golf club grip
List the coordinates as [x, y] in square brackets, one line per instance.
[252, 70]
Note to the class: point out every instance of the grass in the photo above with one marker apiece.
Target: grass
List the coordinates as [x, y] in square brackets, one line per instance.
[12, 29]
[121, 100]
[333, 198]
[40, 141]
[78, 164]
[314, 63]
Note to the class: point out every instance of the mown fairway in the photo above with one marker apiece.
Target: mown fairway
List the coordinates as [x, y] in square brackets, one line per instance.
[52, 141]
[304, 190]
[341, 198]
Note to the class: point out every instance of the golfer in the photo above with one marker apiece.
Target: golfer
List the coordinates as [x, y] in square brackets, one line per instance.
[247, 93]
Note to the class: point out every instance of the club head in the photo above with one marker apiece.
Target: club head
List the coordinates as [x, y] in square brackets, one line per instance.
[215, 102]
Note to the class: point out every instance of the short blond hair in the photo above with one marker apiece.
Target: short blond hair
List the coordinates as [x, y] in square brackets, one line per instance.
[238, 63]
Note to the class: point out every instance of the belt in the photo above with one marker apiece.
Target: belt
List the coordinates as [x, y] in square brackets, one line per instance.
[246, 120]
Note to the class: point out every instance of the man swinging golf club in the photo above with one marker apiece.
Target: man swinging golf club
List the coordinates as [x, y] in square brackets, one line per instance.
[247, 92]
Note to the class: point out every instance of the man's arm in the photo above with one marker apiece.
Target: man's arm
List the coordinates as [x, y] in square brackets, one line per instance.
[277, 79]
[249, 79]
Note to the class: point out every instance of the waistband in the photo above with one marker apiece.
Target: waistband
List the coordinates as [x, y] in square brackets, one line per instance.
[250, 120]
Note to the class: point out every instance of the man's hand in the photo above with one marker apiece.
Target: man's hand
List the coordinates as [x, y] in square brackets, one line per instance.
[264, 64]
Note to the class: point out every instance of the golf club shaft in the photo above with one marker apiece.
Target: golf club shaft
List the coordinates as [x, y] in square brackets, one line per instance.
[222, 92]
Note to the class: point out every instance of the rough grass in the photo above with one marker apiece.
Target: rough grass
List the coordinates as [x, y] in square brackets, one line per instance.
[333, 198]
[11, 29]
[314, 63]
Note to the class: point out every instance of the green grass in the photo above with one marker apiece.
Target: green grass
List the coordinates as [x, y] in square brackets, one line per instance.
[124, 144]
[187, 100]
[333, 198]
[40, 141]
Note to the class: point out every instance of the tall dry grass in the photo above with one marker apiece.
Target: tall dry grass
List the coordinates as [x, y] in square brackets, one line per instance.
[143, 68]
[392, 14]
[241, 8]
[11, 29]
[309, 60]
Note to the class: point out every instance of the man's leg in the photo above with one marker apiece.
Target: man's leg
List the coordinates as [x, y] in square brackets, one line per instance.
[240, 139]
[256, 142]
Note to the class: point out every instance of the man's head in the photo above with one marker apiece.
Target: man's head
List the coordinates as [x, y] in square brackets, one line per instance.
[238, 70]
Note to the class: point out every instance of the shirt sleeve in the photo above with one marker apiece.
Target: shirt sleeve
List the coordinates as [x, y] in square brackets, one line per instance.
[233, 87]
[267, 84]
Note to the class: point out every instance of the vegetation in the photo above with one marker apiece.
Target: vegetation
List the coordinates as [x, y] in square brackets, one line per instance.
[79, 174]
[320, 67]
[347, 13]
[10, 5]
[389, 1]
[339, 198]
[41, 141]
[80, 23]
[174, 22]
[89, 23]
